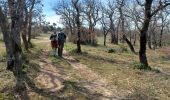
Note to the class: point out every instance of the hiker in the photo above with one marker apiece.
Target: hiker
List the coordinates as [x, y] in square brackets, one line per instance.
[61, 40]
[54, 42]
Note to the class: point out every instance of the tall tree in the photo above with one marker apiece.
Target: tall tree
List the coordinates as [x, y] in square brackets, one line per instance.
[121, 4]
[66, 10]
[148, 14]
[76, 5]
[109, 9]
[11, 33]
[105, 27]
[30, 15]
[91, 12]
[164, 21]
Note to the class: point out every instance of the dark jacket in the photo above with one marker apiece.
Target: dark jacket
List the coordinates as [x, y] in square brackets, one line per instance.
[61, 37]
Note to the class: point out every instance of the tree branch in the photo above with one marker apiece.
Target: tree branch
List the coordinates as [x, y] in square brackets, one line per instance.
[160, 7]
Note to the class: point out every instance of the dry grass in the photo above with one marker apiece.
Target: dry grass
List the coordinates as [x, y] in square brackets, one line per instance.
[119, 70]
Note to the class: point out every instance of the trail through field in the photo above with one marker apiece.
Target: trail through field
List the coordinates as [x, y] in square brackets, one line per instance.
[51, 78]
[92, 81]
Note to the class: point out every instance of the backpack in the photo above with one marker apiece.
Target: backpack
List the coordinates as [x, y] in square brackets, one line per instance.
[61, 37]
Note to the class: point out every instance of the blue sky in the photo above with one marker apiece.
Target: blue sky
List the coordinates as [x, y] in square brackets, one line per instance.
[49, 12]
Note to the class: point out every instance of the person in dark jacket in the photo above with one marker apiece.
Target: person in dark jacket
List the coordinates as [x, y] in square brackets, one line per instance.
[61, 40]
[54, 42]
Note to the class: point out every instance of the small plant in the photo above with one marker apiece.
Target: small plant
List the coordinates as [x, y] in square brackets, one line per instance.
[111, 50]
[138, 65]
[123, 49]
[25, 58]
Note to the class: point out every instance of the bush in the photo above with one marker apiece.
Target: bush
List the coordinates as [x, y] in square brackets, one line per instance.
[123, 49]
[111, 50]
[85, 38]
[138, 65]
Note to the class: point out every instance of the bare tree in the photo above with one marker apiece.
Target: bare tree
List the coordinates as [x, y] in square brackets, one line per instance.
[30, 14]
[110, 10]
[76, 5]
[148, 14]
[68, 16]
[105, 27]
[121, 4]
[11, 33]
[91, 11]
[164, 21]
[29, 11]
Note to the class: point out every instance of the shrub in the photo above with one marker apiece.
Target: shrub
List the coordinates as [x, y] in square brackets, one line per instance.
[111, 50]
[123, 49]
[85, 38]
[138, 65]
[25, 58]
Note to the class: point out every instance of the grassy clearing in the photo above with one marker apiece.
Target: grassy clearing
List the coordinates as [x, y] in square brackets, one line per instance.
[118, 69]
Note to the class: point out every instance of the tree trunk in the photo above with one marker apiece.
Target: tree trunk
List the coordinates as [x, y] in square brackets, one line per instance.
[130, 37]
[112, 31]
[154, 41]
[134, 42]
[91, 32]
[6, 34]
[142, 50]
[143, 34]
[16, 23]
[149, 41]
[129, 44]
[117, 39]
[79, 43]
[104, 40]
[113, 38]
[161, 35]
[30, 30]
[78, 26]
[24, 36]
[124, 38]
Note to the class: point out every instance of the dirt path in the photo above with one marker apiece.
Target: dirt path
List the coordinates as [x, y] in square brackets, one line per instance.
[92, 81]
[51, 79]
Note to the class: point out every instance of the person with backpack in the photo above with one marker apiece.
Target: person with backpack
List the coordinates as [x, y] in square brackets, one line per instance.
[61, 40]
[54, 42]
